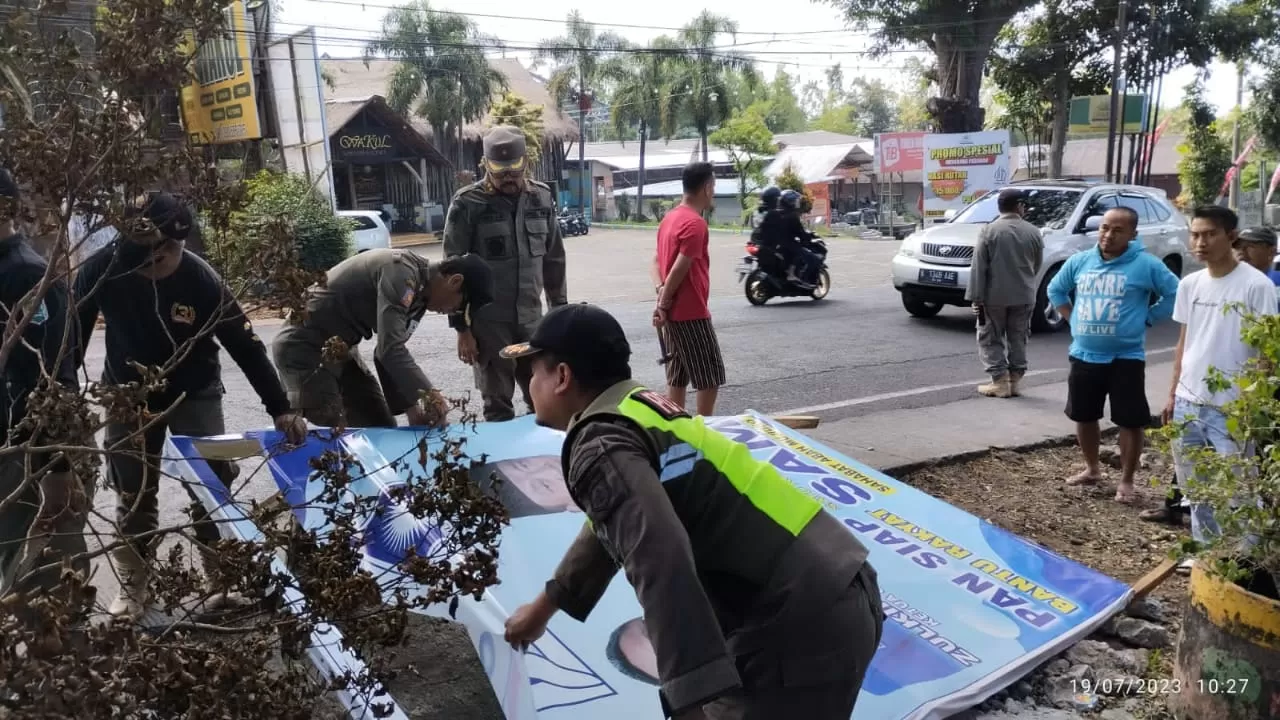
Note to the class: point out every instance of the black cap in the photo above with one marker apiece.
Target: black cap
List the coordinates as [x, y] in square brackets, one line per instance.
[581, 335]
[1259, 235]
[1011, 195]
[167, 213]
[477, 279]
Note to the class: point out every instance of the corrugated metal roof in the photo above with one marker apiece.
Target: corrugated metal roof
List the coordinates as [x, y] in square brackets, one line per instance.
[655, 160]
[817, 162]
[597, 150]
[674, 188]
[814, 138]
[1088, 157]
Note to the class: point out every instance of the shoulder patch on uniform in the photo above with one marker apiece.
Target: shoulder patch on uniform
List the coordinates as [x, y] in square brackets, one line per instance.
[407, 298]
[593, 482]
[40, 315]
[660, 404]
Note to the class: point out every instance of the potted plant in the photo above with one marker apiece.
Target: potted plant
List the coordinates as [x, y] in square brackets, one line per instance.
[1227, 662]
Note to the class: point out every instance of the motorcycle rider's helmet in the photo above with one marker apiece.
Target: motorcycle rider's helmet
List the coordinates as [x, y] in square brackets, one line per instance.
[769, 197]
[790, 200]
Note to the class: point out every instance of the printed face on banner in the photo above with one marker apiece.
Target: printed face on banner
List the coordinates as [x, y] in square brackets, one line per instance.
[960, 168]
[527, 486]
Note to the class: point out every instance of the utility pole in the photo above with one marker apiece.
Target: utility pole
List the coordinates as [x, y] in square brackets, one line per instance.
[1117, 103]
[582, 141]
[1233, 192]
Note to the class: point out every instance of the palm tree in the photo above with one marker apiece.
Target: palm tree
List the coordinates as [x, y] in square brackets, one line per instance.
[578, 56]
[642, 95]
[704, 86]
[442, 67]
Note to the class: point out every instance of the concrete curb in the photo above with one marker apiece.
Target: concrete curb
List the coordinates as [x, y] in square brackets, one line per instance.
[896, 471]
[654, 228]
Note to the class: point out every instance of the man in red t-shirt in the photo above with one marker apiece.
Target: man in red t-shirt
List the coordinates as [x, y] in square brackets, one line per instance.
[682, 274]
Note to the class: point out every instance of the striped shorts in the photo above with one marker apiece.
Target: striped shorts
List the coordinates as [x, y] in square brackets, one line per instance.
[694, 354]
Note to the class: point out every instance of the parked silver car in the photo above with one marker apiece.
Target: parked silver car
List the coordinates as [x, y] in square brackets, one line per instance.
[931, 269]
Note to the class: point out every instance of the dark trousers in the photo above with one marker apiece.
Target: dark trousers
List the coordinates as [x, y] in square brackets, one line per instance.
[808, 263]
[341, 392]
[818, 672]
[137, 480]
[496, 379]
[42, 525]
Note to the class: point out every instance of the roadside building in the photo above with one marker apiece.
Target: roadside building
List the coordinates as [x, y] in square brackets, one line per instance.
[353, 80]
[382, 163]
[1087, 160]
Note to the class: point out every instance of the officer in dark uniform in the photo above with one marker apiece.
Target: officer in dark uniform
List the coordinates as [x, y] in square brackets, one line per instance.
[384, 292]
[45, 523]
[509, 220]
[759, 604]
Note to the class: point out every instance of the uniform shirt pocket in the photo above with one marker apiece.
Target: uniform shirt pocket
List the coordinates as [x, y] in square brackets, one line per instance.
[536, 230]
[495, 240]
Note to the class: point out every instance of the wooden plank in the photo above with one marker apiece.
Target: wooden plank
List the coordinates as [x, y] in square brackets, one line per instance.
[1153, 579]
[798, 422]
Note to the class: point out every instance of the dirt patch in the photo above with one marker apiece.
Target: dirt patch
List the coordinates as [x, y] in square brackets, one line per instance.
[1026, 493]
[438, 676]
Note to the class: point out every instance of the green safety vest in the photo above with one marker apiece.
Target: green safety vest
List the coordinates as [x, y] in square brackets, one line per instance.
[741, 513]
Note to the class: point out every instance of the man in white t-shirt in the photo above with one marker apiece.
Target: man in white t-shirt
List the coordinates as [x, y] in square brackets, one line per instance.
[1211, 306]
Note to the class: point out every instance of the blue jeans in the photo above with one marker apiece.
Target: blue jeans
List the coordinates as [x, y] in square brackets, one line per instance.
[1205, 426]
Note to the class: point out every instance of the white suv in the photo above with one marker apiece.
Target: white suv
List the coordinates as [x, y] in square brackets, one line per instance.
[931, 269]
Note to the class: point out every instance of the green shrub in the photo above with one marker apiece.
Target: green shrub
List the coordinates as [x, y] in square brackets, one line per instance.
[1243, 490]
[321, 238]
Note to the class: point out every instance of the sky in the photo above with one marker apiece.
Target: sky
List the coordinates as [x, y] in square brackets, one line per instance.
[804, 39]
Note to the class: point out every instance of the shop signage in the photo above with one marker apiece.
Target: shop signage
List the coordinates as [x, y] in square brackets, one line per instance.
[365, 145]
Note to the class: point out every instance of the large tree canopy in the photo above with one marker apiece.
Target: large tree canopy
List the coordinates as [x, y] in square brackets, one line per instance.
[960, 33]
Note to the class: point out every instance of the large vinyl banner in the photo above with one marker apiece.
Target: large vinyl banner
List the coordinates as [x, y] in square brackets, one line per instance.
[962, 167]
[970, 607]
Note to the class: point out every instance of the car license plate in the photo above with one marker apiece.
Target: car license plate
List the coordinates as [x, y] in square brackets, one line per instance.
[939, 277]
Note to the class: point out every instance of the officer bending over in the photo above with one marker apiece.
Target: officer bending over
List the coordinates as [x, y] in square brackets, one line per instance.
[379, 291]
[45, 523]
[164, 305]
[746, 583]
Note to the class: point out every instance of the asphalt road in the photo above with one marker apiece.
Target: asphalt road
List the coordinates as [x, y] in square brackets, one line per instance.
[853, 353]
[856, 352]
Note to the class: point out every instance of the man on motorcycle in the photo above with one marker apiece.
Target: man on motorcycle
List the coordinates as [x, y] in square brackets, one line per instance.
[803, 264]
[776, 231]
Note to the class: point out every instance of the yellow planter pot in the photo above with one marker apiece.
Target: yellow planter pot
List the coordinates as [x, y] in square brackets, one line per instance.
[1227, 665]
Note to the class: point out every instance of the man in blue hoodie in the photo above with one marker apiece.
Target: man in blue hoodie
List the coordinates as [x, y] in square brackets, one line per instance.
[1111, 295]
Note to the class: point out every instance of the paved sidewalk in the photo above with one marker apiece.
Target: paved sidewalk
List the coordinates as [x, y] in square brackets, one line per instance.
[897, 439]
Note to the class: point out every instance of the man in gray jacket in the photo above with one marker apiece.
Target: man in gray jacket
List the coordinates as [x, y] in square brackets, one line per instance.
[1002, 288]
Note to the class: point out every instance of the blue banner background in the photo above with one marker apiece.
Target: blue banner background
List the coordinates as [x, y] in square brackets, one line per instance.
[971, 607]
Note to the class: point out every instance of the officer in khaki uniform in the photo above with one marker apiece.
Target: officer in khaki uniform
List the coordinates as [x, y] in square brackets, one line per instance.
[379, 291]
[759, 604]
[509, 220]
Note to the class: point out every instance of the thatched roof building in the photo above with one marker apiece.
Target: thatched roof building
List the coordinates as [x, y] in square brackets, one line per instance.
[355, 81]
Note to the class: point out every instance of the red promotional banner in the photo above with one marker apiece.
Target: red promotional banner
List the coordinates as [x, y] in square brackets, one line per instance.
[1231, 173]
[899, 152]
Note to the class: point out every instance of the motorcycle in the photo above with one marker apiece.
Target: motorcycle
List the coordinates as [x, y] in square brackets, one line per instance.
[766, 277]
[572, 224]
